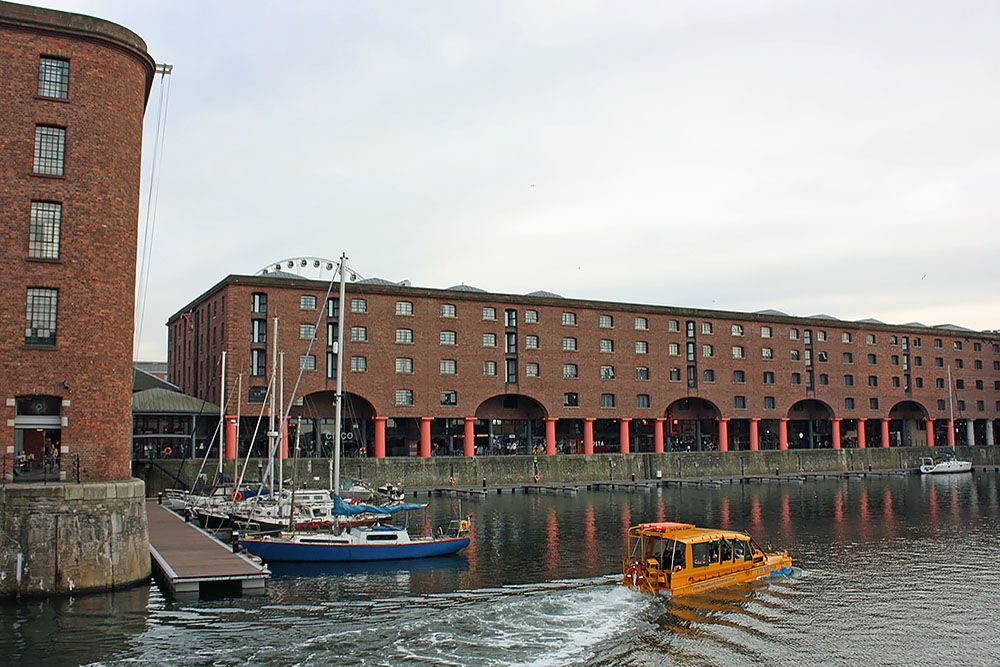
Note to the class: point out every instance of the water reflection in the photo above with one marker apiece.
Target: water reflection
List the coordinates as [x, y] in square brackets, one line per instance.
[879, 559]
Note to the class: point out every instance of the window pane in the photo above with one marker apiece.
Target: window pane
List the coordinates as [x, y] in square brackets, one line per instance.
[41, 316]
[50, 149]
[53, 77]
[43, 238]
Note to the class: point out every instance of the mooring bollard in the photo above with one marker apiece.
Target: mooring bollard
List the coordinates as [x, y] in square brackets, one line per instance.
[633, 477]
[484, 483]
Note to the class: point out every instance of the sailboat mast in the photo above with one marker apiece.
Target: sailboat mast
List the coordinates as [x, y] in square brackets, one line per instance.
[222, 416]
[271, 433]
[338, 401]
[236, 445]
[281, 420]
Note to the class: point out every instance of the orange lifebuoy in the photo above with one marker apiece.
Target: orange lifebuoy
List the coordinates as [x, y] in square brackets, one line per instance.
[237, 496]
[538, 477]
[167, 451]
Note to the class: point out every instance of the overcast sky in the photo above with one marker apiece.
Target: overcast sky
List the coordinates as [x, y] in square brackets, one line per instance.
[811, 156]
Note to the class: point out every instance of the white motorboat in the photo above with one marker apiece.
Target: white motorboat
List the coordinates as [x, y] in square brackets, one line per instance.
[946, 463]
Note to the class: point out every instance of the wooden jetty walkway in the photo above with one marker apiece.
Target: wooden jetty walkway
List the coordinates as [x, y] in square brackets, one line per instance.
[187, 560]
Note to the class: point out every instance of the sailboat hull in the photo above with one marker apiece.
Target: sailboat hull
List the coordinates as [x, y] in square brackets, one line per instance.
[275, 550]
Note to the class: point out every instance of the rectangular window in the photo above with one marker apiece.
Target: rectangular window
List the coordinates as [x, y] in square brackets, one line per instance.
[939, 383]
[606, 321]
[707, 351]
[737, 329]
[331, 334]
[359, 334]
[531, 342]
[641, 347]
[977, 347]
[50, 150]
[980, 406]
[674, 350]
[258, 362]
[510, 339]
[765, 332]
[531, 317]
[569, 344]
[769, 403]
[607, 345]
[872, 380]
[845, 337]
[706, 327]
[824, 379]
[768, 377]
[358, 364]
[607, 400]
[307, 302]
[53, 77]
[895, 382]
[641, 324]
[793, 334]
[447, 337]
[570, 371]
[796, 378]
[958, 345]
[359, 306]
[307, 362]
[978, 364]
[848, 358]
[796, 355]
[919, 382]
[489, 313]
[675, 375]
[333, 308]
[571, 400]
[873, 403]
[43, 236]
[940, 404]
[959, 384]
[872, 360]
[404, 397]
[258, 331]
[404, 307]
[870, 339]
[404, 365]
[959, 363]
[41, 316]
[510, 316]
[448, 367]
[767, 353]
[449, 397]
[740, 402]
[821, 336]
[737, 352]
[849, 403]
[739, 377]
[569, 319]
[306, 331]
[404, 336]
[708, 376]
[258, 302]
[673, 325]
[893, 340]
[822, 356]
[642, 373]
[531, 370]
[939, 362]
[489, 340]
[448, 310]
[512, 371]
[938, 343]
[690, 352]
[642, 401]
[489, 368]
[607, 372]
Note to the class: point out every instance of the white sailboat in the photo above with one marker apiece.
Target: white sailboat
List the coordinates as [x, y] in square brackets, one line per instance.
[946, 462]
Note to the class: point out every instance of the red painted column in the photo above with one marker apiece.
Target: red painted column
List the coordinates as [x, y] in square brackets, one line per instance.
[885, 431]
[723, 434]
[862, 438]
[380, 437]
[836, 432]
[951, 433]
[754, 441]
[425, 437]
[624, 445]
[230, 438]
[658, 435]
[469, 441]
[929, 429]
[550, 436]
[588, 435]
[783, 434]
[284, 438]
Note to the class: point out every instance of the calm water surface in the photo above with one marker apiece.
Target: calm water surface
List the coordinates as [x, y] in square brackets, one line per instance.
[896, 571]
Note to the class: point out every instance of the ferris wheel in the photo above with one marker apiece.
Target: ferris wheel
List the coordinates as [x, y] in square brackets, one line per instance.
[309, 268]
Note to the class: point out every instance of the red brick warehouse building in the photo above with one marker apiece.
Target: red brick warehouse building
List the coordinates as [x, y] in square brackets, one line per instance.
[434, 371]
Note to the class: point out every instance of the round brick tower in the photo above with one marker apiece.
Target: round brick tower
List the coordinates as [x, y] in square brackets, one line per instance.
[73, 91]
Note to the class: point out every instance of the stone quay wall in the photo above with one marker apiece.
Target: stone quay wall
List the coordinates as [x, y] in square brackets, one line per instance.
[497, 470]
[73, 538]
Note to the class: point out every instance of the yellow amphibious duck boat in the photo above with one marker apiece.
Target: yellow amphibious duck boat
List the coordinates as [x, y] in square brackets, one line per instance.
[680, 558]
